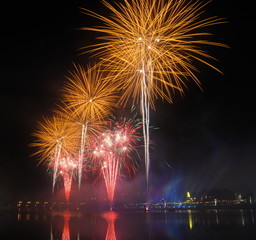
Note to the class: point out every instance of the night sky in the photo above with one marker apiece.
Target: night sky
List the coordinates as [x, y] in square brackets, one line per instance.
[207, 139]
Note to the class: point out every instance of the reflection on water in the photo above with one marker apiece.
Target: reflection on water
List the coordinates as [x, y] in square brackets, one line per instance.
[242, 216]
[66, 232]
[110, 217]
[190, 219]
[180, 224]
[19, 216]
[251, 213]
[28, 217]
[216, 216]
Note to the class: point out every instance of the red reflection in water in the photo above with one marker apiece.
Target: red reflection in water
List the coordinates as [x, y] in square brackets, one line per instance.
[66, 231]
[110, 217]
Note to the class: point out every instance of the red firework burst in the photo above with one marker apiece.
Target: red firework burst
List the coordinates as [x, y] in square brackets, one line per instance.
[112, 152]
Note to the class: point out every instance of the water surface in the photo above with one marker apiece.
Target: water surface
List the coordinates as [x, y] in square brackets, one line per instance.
[180, 224]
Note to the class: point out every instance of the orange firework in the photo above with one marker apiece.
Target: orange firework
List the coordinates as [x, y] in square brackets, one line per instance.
[56, 138]
[93, 127]
[149, 47]
[89, 98]
[88, 95]
[156, 40]
[52, 133]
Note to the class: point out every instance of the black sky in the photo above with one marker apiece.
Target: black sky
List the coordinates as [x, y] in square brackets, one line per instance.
[208, 138]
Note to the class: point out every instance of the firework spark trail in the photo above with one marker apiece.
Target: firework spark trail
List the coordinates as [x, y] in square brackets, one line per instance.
[67, 166]
[145, 106]
[110, 171]
[158, 38]
[81, 153]
[145, 122]
[67, 179]
[110, 160]
[88, 98]
[112, 150]
[56, 165]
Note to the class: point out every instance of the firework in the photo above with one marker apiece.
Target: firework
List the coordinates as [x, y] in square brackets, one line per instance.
[149, 46]
[67, 166]
[56, 139]
[112, 151]
[90, 99]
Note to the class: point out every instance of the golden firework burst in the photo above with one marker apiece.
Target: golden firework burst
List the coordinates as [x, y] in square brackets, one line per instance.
[152, 45]
[52, 133]
[88, 95]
